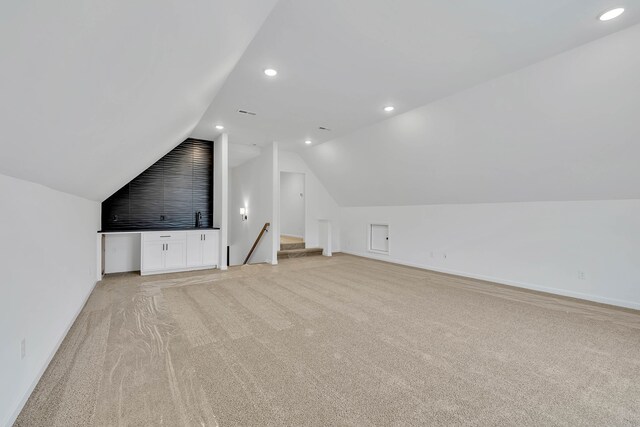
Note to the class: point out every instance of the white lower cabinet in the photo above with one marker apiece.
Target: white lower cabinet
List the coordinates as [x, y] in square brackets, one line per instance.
[211, 248]
[203, 248]
[171, 251]
[163, 251]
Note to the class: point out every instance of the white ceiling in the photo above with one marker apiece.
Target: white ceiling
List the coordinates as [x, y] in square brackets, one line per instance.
[340, 62]
[93, 91]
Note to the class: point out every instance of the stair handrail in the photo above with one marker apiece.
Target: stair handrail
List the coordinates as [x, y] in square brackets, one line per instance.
[265, 228]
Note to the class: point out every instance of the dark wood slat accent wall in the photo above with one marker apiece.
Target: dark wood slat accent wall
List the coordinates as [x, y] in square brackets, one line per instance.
[168, 194]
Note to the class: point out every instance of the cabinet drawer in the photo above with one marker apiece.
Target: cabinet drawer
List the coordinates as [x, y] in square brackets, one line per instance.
[164, 236]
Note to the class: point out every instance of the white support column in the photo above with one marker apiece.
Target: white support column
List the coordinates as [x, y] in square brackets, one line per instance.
[324, 236]
[99, 256]
[275, 200]
[221, 193]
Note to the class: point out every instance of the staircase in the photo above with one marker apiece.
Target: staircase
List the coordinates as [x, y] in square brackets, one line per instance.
[297, 250]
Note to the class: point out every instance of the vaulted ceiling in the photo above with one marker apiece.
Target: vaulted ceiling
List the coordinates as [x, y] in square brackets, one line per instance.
[93, 92]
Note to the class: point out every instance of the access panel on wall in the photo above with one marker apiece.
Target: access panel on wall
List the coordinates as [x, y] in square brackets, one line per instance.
[176, 192]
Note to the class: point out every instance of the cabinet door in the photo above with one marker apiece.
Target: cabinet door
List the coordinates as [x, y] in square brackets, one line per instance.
[194, 248]
[175, 254]
[210, 248]
[152, 256]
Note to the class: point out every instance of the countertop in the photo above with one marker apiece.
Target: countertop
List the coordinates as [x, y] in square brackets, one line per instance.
[157, 229]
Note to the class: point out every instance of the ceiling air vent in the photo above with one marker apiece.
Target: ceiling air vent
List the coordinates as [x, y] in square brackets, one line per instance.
[251, 113]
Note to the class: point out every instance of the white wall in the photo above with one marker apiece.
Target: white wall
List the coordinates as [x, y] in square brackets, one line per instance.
[47, 270]
[536, 245]
[122, 252]
[292, 196]
[251, 185]
[318, 202]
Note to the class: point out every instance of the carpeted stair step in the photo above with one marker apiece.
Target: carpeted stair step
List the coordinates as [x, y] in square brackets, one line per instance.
[289, 246]
[296, 253]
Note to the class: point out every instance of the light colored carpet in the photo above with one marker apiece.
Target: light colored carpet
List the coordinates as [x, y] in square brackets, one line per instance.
[338, 341]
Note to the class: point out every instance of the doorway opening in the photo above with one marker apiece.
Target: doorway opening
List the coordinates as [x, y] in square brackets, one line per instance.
[292, 210]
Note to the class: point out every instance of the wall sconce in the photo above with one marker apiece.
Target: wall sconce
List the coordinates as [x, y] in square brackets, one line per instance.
[244, 214]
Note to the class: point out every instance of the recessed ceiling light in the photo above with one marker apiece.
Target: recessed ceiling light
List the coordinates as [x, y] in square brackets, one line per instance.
[219, 127]
[270, 72]
[307, 142]
[389, 108]
[611, 14]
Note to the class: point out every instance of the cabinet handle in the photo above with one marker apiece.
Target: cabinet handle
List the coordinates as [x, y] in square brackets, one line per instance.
[205, 237]
[167, 246]
[164, 236]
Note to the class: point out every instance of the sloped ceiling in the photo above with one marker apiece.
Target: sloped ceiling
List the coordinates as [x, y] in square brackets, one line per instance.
[93, 92]
[566, 128]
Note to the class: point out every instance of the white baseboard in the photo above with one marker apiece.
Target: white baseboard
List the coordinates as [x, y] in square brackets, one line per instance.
[23, 401]
[508, 282]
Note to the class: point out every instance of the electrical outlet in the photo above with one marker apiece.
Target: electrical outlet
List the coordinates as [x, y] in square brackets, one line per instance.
[23, 348]
[582, 275]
